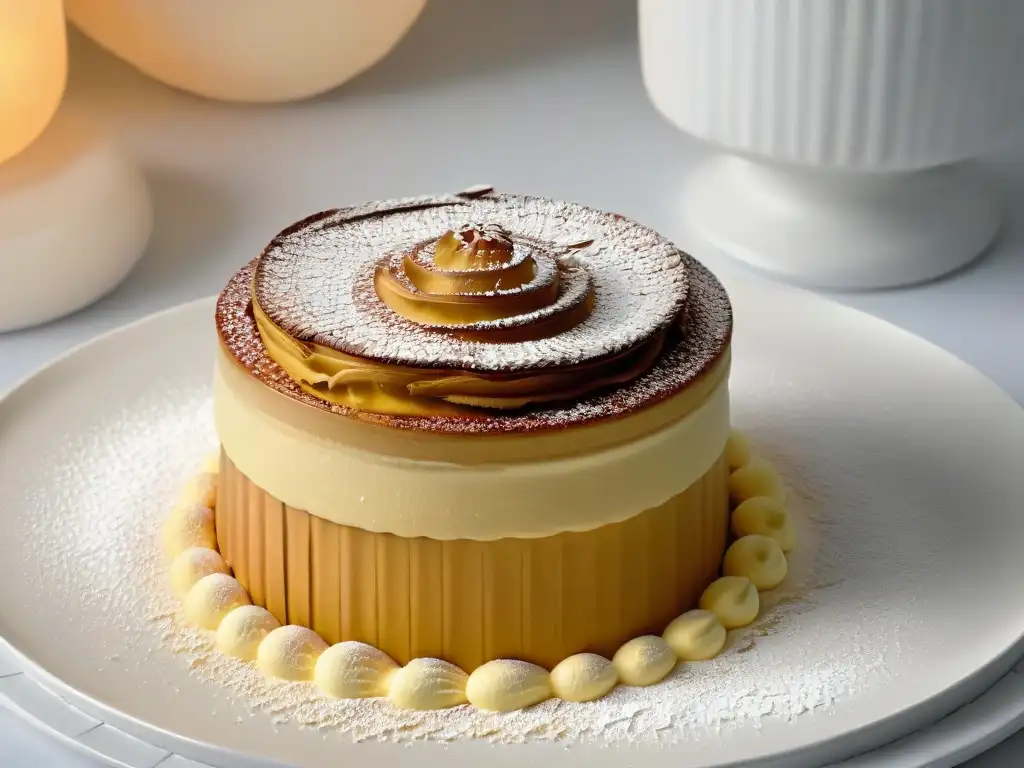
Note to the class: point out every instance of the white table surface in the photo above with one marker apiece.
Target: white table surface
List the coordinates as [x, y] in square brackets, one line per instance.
[553, 105]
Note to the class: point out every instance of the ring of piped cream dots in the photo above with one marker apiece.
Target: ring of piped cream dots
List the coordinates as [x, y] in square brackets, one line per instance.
[214, 600]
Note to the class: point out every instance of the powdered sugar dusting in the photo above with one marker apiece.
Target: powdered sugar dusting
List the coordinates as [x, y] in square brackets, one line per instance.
[121, 478]
[704, 335]
[308, 281]
[882, 560]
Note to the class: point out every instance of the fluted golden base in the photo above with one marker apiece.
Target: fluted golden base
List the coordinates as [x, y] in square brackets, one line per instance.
[540, 600]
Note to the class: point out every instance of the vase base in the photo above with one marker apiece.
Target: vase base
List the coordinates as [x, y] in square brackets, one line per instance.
[75, 216]
[838, 230]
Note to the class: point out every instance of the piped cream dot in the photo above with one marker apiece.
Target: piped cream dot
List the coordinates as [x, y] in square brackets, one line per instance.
[290, 653]
[241, 632]
[212, 598]
[765, 516]
[354, 670]
[202, 489]
[192, 565]
[189, 525]
[697, 635]
[643, 660]
[737, 450]
[428, 684]
[733, 599]
[758, 478]
[759, 558]
[583, 677]
[504, 685]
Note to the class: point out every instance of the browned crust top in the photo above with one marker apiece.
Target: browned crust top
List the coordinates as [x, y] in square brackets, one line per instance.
[701, 338]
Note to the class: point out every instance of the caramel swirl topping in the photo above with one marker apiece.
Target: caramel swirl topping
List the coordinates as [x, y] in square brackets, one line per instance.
[402, 307]
[481, 282]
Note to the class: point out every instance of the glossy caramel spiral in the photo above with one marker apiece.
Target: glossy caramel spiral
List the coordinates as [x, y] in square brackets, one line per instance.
[481, 282]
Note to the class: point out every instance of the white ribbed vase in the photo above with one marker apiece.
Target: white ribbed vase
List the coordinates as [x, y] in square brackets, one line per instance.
[841, 122]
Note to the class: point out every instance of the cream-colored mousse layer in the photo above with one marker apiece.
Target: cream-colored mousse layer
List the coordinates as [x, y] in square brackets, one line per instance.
[410, 483]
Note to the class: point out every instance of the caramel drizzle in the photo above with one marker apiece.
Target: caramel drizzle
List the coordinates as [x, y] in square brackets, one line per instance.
[387, 388]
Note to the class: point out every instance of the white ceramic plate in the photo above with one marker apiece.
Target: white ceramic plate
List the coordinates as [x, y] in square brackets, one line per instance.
[966, 733]
[908, 461]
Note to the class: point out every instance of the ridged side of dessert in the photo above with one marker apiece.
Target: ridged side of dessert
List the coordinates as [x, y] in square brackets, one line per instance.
[538, 599]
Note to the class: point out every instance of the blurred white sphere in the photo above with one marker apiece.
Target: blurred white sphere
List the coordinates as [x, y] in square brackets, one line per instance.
[248, 50]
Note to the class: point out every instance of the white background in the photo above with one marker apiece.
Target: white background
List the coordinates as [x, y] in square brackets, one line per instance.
[537, 96]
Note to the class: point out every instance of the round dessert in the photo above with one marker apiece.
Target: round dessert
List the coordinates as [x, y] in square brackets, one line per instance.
[474, 427]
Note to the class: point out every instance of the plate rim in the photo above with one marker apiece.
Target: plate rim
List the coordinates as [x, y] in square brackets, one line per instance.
[993, 733]
[43, 368]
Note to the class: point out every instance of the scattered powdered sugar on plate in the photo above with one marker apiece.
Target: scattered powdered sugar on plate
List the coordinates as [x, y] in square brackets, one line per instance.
[96, 543]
